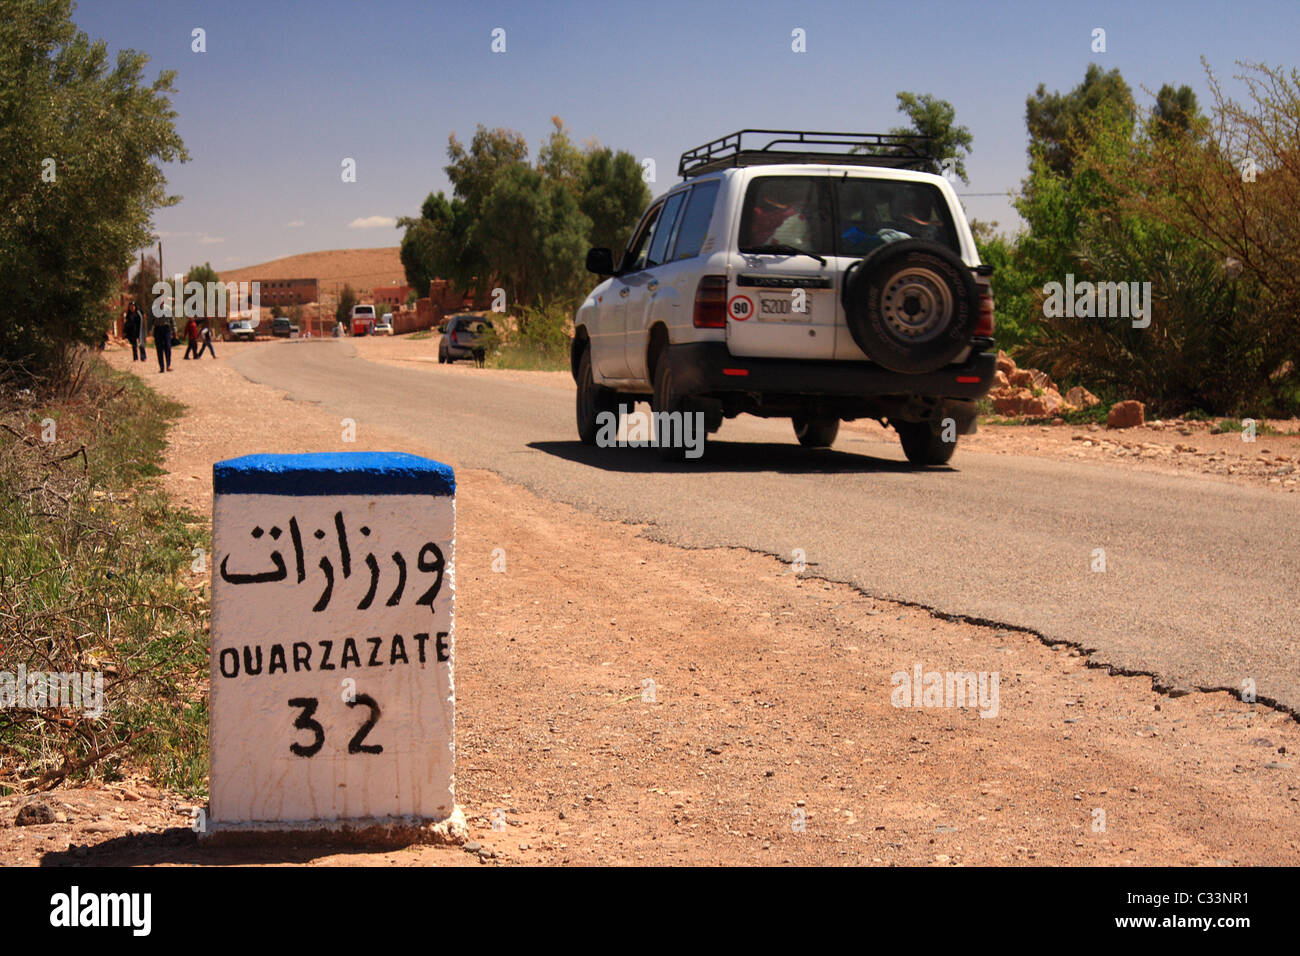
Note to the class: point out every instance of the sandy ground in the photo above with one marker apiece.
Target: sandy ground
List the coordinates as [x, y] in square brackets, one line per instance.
[771, 737]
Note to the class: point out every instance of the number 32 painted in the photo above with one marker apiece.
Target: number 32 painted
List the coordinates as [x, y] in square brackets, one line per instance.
[304, 721]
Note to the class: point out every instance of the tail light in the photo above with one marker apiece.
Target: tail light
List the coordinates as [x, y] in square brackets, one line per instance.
[711, 303]
[984, 327]
[453, 336]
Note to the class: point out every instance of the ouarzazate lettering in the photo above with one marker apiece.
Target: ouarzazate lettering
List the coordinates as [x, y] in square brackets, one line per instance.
[297, 657]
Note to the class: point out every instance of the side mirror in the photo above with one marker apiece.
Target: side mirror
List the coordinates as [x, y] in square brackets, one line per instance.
[600, 261]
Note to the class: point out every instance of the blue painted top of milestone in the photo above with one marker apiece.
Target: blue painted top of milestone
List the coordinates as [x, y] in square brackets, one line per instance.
[333, 473]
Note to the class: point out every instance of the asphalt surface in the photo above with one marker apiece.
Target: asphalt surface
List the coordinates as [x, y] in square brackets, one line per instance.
[1201, 579]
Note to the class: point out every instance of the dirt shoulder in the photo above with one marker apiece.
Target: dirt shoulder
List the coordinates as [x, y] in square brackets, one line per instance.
[774, 704]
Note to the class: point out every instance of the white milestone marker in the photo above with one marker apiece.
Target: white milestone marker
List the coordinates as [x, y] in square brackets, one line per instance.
[332, 692]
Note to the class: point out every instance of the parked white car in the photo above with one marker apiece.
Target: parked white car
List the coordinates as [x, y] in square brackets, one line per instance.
[385, 325]
[785, 277]
[240, 330]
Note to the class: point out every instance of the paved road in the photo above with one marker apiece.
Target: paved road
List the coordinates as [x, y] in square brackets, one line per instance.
[1201, 578]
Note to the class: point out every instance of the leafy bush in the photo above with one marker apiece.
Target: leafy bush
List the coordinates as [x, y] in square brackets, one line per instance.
[1160, 201]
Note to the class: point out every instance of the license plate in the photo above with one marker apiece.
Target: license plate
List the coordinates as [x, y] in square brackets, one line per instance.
[782, 309]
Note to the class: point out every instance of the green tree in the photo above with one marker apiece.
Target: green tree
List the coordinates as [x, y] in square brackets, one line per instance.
[936, 118]
[437, 245]
[418, 252]
[1014, 287]
[347, 299]
[83, 142]
[474, 171]
[1056, 120]
[203, 274]
[523, 227]
[612, 196]
[560, 161]
[1176, 112]
[533, 235]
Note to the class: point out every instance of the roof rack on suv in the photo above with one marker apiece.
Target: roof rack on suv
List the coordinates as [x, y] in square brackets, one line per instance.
[895, 150]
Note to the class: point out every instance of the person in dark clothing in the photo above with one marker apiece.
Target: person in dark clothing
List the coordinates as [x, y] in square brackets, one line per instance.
[163, 333]
[191, 339]
[133, 329]
[207, 340]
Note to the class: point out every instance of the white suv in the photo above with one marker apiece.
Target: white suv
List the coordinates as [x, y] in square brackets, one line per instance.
[785, 277]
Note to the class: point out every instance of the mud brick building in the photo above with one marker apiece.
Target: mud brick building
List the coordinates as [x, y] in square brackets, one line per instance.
[286, 292]
[391, 295]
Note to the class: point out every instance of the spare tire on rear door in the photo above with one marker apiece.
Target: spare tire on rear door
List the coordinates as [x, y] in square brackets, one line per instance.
[911, 305]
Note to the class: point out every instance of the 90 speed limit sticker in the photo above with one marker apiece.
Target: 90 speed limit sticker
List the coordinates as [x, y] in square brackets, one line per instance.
[740, 307]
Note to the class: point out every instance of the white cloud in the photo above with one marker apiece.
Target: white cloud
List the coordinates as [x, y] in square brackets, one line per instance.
[296, 224]
[210, 240]
[373, 222]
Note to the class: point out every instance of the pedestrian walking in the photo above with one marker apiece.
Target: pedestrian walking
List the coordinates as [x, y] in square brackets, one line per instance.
[191, 339]
[207, 340]
[163, 333]
[133, 329]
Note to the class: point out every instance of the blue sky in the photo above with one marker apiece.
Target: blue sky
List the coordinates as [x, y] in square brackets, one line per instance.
[286, 91]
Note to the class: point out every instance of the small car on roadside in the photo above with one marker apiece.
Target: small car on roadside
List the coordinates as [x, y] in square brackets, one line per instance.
[466, 337]
[283, 328]
[240, 330]
[384, 326]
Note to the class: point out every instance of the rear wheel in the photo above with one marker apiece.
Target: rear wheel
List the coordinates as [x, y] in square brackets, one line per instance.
[667, 398]
[922, 446]
[592, 401]
[816, 432]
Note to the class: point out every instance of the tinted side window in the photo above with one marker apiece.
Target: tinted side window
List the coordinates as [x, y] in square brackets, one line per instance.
[664, 231]
[639, 247]
[695, 220]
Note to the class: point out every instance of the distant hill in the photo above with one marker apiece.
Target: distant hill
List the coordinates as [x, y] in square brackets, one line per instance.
[364, 269]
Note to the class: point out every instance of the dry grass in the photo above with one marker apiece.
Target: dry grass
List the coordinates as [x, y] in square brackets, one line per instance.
[95, 577]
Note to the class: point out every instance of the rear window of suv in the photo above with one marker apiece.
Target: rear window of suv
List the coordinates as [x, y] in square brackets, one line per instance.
[843, 216]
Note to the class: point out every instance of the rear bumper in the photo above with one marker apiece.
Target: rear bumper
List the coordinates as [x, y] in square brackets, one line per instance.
[463, 350]
[709, 368]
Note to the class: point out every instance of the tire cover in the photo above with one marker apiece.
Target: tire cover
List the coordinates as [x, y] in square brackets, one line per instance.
[911, 306]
